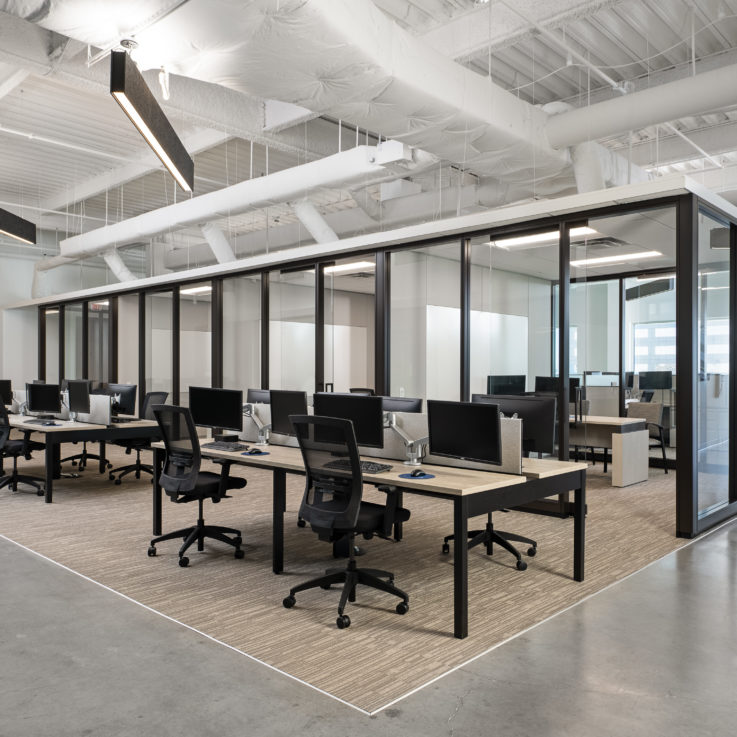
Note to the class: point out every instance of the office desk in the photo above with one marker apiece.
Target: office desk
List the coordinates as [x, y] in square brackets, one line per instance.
[69, 432]
[472, 493]
[628, 439]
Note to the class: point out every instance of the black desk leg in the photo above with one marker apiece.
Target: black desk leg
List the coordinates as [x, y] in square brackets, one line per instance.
[103, 462]
[57, 460]
[156, 489]
[460, 567]
[579, 528]
[51, 453]
[398, 525]
[280, 506]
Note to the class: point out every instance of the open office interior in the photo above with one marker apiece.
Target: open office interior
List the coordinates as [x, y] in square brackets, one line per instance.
[498, 238]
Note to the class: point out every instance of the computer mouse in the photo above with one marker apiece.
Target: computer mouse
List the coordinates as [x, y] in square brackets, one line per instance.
[417, 472]
[254, 452]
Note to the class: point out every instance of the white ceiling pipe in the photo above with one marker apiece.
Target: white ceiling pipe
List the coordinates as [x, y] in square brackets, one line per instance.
[315, 223]
[360, 165]
[121, 271]
[219, 244]
[697, 95]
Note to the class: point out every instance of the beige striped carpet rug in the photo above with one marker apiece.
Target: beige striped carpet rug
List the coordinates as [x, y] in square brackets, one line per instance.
[102, 531]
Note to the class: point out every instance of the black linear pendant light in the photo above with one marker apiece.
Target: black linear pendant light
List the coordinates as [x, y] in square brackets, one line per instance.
[129, 88]
[16, 227]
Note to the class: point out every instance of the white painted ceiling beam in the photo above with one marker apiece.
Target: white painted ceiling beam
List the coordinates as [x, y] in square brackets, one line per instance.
[10, 78]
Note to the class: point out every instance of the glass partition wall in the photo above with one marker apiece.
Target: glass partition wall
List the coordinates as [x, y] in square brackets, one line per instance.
[98, 341]
[74, 349]
[621, 298]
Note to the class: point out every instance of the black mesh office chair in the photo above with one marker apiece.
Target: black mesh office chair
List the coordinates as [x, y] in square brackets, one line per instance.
[333, 507]
[183, 481]
[15, 449]
[139, 444]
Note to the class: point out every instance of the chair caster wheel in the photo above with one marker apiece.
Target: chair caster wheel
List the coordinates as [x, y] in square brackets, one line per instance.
[532, 552]
[325, 586]
[151, 551]
[109, 465]
[239, 554]
[184, 561]
[446, 548]
[74, 463]
[111, 476]
[301, 523]
[238, 540]
[40, 493]
[289, 602]
[521, 565]
[402, 607]
[117, 482]
[343, 622]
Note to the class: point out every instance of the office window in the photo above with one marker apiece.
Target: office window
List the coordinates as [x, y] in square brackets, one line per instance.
[292, 330]
[195, 338]
[73, 343]
[713, 383]
[52, 346]
[425, 320]
[98, 340]
[242, 332]
[128, 339]
[158, 342]
[654, 346]
[349, 299]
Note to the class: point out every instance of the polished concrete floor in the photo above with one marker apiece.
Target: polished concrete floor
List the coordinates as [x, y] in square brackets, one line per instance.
[653, 655]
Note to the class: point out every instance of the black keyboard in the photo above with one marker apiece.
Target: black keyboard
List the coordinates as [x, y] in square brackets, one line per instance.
[121, 420]
[221, 445]
[343, 464]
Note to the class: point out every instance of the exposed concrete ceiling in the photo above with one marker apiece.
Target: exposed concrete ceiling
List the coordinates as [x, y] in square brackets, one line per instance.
[462, 81]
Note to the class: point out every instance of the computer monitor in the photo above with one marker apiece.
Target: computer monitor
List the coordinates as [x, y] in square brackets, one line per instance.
[219, 409]
[551, 384]
[285, 403]
[465, 430]
[537, 415]
[506, 384]
[124, 398]
[629, 379]
[366, 414]
[401, 404]
[258, 396]
[6, 391]
[44, 398]
[79, 395]
[656, 380]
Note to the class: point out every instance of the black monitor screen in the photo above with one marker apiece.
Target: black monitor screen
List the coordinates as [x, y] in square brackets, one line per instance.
[257, 396]
[656, 380]
[43, 397]
[470, 432]
[124, 398]
[283, 404]
[537, 415]
[6, 391]
[79, 395]
[551, 384]
[401, 404]
[216, 408]
[629, 379]
[507, 384]
[364, 412]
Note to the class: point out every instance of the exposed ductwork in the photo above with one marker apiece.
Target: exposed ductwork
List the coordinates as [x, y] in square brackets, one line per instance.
[314, 222]
[219, 244]
[121, 271]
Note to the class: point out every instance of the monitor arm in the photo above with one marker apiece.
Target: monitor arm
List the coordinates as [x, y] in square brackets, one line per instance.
[263, 430]
[412, 446]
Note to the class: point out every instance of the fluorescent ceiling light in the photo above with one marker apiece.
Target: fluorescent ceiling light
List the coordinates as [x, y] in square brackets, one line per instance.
[709, 289]
[354, 266]
[52, 312]
[16, 227]
[552, 235]
[196, 290]
[604, 260]
[104, 303]
[131, 92]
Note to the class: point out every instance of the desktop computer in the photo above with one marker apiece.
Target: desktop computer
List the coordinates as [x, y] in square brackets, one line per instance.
[283, 404]
[44, 399]
[220, 410]
[6, 391]
[78, 391]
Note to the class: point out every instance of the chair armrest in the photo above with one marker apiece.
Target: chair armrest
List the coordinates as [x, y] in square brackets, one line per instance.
[224, 475]
[391, 506]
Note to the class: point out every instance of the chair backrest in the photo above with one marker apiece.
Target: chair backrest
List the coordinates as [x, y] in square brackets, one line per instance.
[4, 426]
[182, 464]
[585, 407]
[332, 496]
[648, 411]
[152, 398]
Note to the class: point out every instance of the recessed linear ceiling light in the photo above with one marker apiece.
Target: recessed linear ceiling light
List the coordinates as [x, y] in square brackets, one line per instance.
[131, 92]
[196, 290]
[709, 289]
[355, 266]
[552, 235]
[15, 227]
[604, 260]
[52, 312]
[103, 303]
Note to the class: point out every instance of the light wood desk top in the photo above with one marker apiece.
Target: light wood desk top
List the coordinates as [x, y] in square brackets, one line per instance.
[544, 468]
[20, 422]
[612, 421]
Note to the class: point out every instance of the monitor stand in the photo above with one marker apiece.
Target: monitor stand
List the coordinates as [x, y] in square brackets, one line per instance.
[224, 436]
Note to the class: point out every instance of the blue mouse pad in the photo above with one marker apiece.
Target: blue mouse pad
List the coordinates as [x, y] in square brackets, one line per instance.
[256, 455]
[419, 478]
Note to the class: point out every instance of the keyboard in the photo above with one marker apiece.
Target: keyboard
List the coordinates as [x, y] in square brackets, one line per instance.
[344, 464]
[121, 420]
[220, 445]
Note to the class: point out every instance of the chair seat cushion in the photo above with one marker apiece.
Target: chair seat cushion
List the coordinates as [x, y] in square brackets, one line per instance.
[371, 517]
[12, 448]
[208, 485]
